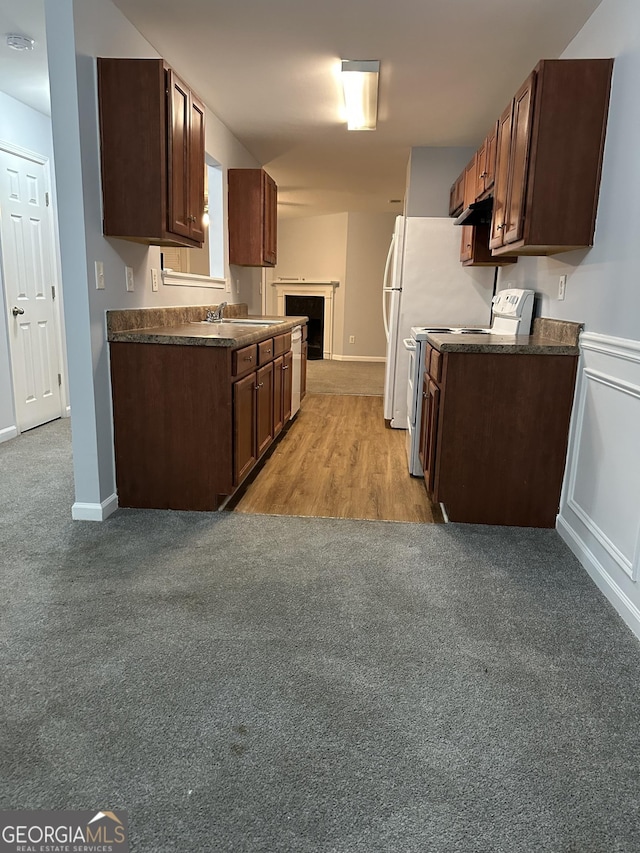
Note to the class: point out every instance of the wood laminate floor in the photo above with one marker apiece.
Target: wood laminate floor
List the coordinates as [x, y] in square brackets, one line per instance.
[339, 460]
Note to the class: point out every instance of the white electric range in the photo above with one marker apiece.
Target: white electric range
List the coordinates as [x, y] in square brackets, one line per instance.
[512, 312]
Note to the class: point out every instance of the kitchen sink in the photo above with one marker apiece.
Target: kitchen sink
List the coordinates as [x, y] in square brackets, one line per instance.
[249, 321]
[238, 321]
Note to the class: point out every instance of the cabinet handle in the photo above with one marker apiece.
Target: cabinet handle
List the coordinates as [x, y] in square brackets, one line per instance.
[499, 227]
[483, 174]
[268, 351]
[249, 358]
[285, 367]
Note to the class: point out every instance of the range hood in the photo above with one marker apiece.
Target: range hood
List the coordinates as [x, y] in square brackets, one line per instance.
[478, 213]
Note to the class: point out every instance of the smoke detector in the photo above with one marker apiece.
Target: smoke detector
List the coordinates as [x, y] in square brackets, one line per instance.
[18, 42]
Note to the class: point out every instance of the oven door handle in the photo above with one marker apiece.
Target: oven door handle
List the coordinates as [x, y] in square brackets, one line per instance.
[409, 343]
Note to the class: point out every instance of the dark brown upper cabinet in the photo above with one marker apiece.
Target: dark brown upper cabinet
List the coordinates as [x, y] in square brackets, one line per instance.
[152, 138]
[487, 162]
[252, 202]
[549, 161]
[456, 195]
[474, 245]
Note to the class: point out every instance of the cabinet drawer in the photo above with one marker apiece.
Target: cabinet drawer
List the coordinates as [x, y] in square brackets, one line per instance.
[243, 360]
[435, 365]
[282, 343]
[265, 351]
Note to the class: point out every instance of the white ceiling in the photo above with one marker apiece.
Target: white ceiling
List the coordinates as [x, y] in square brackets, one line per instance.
[267, 68]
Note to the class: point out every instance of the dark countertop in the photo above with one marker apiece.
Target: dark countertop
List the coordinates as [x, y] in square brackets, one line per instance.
[193, 332]
[549, 337]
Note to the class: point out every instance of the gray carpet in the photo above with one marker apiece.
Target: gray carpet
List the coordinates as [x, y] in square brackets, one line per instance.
[359, 378]
[265, 684]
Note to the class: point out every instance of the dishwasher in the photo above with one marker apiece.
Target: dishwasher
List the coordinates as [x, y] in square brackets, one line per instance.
[296, 349]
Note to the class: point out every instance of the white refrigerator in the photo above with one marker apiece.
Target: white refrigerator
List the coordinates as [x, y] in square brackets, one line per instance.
[426, 285]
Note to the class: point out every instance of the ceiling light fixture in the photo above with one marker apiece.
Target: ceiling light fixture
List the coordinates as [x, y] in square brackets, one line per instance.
[360, 85]
[18, 42]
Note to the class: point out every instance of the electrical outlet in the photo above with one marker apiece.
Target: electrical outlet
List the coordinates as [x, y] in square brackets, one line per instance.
[237, 285]
[352, 339]
[99, 275]
[129, 278]
[154, 280]
[227, 286]
[562, 286]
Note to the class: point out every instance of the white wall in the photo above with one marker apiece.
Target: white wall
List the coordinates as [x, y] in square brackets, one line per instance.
[600, 510]
[77, 32]
[350, 248]
[430, 173]
[602, 282]
[28, 129]
[314, 248]
[368, 240]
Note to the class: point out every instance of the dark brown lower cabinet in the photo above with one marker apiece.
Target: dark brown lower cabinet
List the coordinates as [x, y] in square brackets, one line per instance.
[494, 436]
[190, 422]
[244, 427]
[428, 430]
[278, 420]
[264, 408]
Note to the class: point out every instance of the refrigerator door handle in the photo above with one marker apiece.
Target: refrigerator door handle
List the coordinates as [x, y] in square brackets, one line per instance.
[385, 286]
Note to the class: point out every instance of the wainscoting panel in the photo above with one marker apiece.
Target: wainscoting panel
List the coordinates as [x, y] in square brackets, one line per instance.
[600, 508]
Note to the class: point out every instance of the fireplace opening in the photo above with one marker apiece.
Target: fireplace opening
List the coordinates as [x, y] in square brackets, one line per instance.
[313, 308]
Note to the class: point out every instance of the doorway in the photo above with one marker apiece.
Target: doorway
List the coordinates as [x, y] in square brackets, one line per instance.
[30, 286]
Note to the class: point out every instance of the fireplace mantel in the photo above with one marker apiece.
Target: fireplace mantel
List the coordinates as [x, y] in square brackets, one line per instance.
[300, 287]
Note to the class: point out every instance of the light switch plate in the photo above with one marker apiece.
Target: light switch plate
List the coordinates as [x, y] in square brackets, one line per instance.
[129, 278]
[99, 275]
[562, 287]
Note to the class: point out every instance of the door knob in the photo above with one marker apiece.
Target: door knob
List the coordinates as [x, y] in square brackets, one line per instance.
[15, 311]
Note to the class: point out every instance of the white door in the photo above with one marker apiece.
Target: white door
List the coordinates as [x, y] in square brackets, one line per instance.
[27, 265]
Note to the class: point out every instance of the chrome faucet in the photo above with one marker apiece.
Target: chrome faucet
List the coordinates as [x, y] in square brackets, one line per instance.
[215, 316]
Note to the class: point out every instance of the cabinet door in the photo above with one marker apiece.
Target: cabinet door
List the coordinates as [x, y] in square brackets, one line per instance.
[196, 156]
[481, 169]
[278, 376]
[456, 196]
[490, 159]
[244, 427]
[264, 408]
[431, 408]
[178, 156]
[270, 220]
[519, 161]
[501, 178]
[287, 370]
[470, 181]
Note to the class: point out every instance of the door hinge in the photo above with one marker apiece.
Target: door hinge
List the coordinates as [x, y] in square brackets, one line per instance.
[59, 379]
[53, 291]
[46, 199]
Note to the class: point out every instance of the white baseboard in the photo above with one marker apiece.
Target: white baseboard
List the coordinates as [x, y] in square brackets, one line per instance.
[8, 432]
[358, 358]
[622, 603]
[94, 512]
